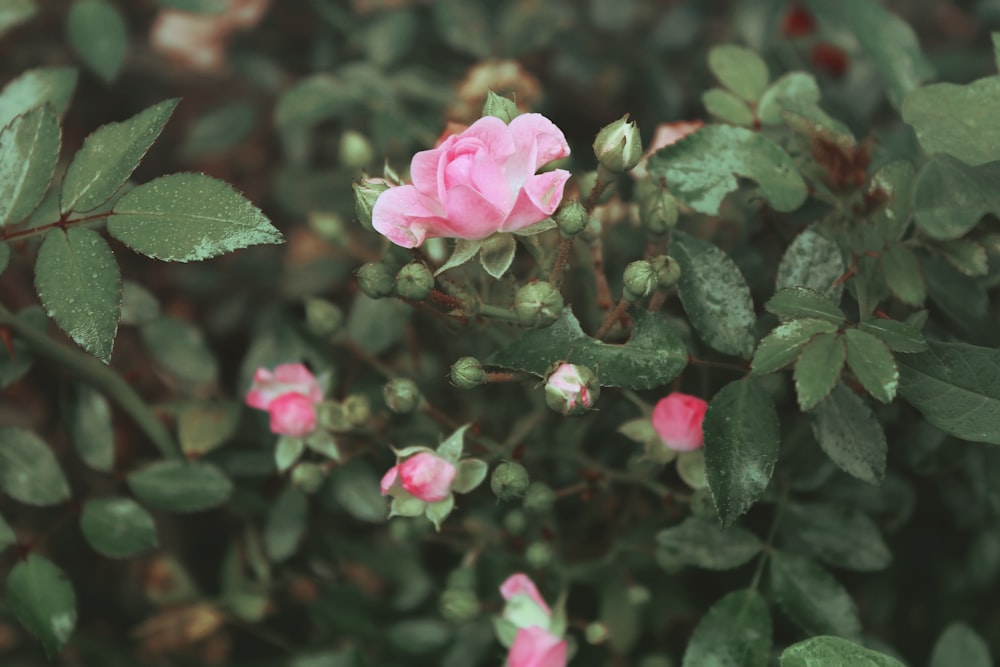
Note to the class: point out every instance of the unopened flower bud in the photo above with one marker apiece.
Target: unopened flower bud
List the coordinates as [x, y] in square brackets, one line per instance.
[500, 107]
[357, 409]
[538, 555]
[538, 304]
[322, 317]
[571, 389]
[459, 606]
[375, 280]
[592, 232]
[307, 477]
[467, 373]
[618, 146]
[668, 271]
[509, 480]
[572, 218]
[355, 150]
[462, 579]
[401, 395]
[366, 191]
[640, 280]
[597, 633]
[414, 281]
[658, 211]
[539, 497]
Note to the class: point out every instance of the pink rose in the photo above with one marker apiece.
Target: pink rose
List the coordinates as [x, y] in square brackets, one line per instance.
[571, 389]
[290, 395]
[537, 647]
[666, 134]
[425, 476]
[476, 183]
[292, 414]
[677, 419]
[521, 584]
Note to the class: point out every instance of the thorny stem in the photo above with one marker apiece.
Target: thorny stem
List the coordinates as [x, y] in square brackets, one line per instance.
[604, 298]
[101, 376]
[556, 275]
[611, 318]
[62, 223]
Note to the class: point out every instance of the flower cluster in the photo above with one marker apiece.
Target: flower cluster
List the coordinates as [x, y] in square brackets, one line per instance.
[538, 638]
[289, 394]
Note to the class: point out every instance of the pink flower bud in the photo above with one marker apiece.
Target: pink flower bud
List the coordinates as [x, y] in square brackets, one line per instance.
[677, 419]
[571, 389]
[290, 395]
[536, 647]
[425, 476]
[389, 479]
[292, 414]
[521, 584]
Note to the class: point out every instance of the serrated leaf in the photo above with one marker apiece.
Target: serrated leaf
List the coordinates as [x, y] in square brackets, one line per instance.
[79, 284]
[29, 150]
[825, 651]
[960, 645]
[951, 197]
[736, 632]
[958, 120]
[42, 599]
[179, 486]
[653, 356]
[52, 85]
[7, 536]
[203, 426]
[108, 157]
[899, 336]
[966, 255]
[188, 217]
[701, 544]
[740, 70]
[715, 295]
[727, 107]
[896, 180]
[29, 471]
[818, 368]
[812, 597]
[181, 348]
[741, 446]
[496, 254]
[91, 429]
[795, 302]
[872, 364]
[117, 527]
[956, 387]
[781, 347]
[15, 12]
[287, 518]
[463, 252]
[850, 435]
[97, 32]
[703, 168]
[813, 262]
[793, 90]
[836, 535]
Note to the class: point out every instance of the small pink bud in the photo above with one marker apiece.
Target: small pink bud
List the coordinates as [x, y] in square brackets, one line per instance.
[521, 584]
[677, 419]
[427, 477]
[537, 647]
[571, 389]
[292, 414]
[389, 479]
[286, 378]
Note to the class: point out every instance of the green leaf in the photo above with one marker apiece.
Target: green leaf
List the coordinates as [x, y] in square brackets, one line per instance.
[15, 12]
[4, 256]
[715, 295]
[899, 336]
[966, 255]
[888, 40]
[29, 150]
[139, 306]
[813, 262]
[727, 107]
[108, 157]
[79, 284]
[818, 368]
[703, 168]
[836, 535]
[956, 387]
[873, 364]
[701, 544]
[181, 348]
[951, 197]
[188, 217]
[53, 85]
[196, 6]
[496, 254]
[812, 597]
[690, 466]
[439, 511]
[895, 180]
[652, 357]
[218, 130]
[465, 26]
[736, 632]
[957, 120]
[741, 446]
[323, 443]
[203, 426]
[7, 536]
[963, 299]
[29, 471]
[824, 651]
[354, 487]
[311, 100]
[407, 506]
[14, 366]
[287, 519]
[793, 90]
[287, 452]
[42, 599]
[740, 70]
[117, 527]
[98, 34]
[850, 435]
[781, 347]
[471, 473]
[960, 645]
[179, 486]
[91, 429]
[463, 252]
[803, 302]
[620, 615]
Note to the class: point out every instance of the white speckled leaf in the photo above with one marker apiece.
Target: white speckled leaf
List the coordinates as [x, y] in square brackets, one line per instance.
[29, 149]
[34, 88]
[188, 217]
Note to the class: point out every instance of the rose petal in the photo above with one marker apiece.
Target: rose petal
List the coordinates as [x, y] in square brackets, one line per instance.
[534, 128]
[292, 414]
[537, 200]
[424, 168]
[470, 216]
[537, 647]
[427, 477]
[521, 584]
[389, 479]
[405, 216]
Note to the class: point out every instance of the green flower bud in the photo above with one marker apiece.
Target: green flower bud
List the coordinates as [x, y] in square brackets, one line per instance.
[638, 595]
[592, 232]
[366, 191]
[618, 146]
[572, 218]
[328, 226]
[467, 373]
[509, 480]
[414, 281]
[462, 579]
[597, 633]
[401, 395]
[459, 606]
[538, 555]
[571, 389]
[357, 409]
[307, 477]
[539, 498]
[515, 522]
[658, 212]
[501, 107]
[375, 280]
[355, 150]
[538, 304]
[640, 280]
[322, 317]
[668, 271]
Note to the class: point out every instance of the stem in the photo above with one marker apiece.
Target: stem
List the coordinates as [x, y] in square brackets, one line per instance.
[102, 377]
[497, 313]
[556, 275]
[62, 224]
[611, 318]
[604, 298]
[769, 543]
